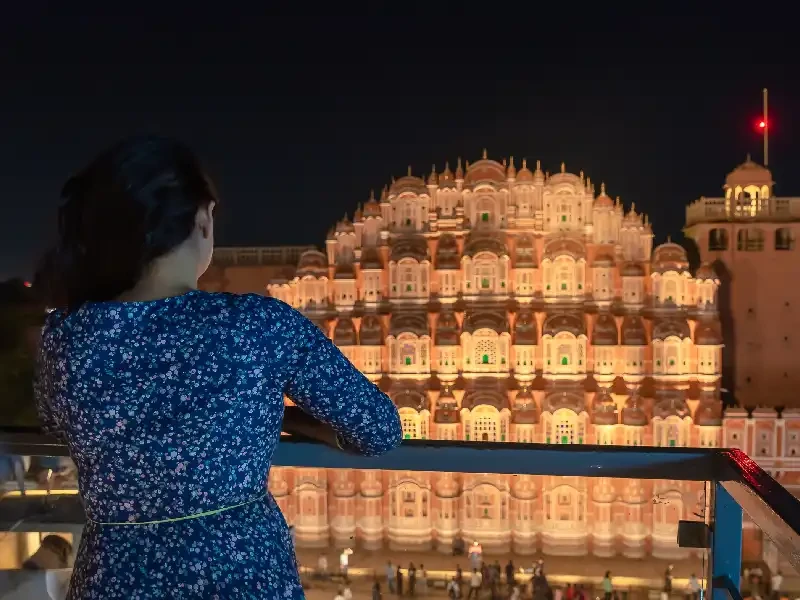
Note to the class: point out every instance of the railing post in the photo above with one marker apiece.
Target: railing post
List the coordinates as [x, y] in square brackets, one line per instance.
[726, 543]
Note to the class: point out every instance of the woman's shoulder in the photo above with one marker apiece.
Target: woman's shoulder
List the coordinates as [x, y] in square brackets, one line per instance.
[252, 304]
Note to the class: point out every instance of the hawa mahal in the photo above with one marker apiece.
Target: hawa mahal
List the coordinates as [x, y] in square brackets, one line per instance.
[497, 302]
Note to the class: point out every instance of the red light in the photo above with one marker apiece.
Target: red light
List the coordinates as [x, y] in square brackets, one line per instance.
[762, 124]
[28, 284]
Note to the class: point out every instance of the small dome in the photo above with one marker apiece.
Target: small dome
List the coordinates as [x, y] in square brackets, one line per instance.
[525, 330]
[524, 252]
[671, 328]
[670, 257]
[670, 403]
[447, 333]
[707, 334]
[410, 246]
[563, 244]
[406, 397]
[633, 332]
[604, 332]
[632, 269]
[525, 410]
[484, 242]
[709, 410]
[344, 334]
[345, 271]
[409, 322]
[370, 259]
[524, 174]
[371, 331]
[409, 183]
[312, 261]
[491, 318]
[633, 413]
[372, 208]
[485, 170]
[749, 173]
[603, 200]
[604, 411]
[706, 272]
[557, 323]
[447, 253]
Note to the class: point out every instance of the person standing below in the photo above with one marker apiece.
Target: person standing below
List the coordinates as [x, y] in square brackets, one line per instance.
[475, 581]
[390, 576]
[776, 583]
[608, 587]
[667, 589]
[422, 580]
[344, 564]
[322, 566]
[399, 581]
[453, 589]
[376, 590]
[510, 573]
[412, 579]
[171, 399]
[694, 587]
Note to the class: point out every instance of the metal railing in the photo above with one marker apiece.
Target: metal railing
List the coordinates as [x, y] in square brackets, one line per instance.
[737, 483]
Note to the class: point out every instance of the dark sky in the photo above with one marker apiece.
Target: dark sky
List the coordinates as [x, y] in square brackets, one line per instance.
[297, 118]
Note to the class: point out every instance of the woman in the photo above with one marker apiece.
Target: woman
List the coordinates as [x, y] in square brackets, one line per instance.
[171, 399]
[608, 587]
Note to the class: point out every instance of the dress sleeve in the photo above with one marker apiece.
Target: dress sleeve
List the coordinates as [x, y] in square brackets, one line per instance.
[43, 388]
[323, 383]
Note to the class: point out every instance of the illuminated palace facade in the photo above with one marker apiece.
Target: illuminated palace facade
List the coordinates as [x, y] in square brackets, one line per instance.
[501, 304]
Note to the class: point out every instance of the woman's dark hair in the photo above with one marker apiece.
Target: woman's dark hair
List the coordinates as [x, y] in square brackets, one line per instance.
[133, 203]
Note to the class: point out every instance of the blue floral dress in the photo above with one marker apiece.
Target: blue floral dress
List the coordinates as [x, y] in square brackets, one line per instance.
[173, 408]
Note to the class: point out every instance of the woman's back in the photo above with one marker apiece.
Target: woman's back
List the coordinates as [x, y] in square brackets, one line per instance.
[173, 408]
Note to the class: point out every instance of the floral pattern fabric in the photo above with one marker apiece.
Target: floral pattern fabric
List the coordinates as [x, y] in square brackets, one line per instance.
[173, 408]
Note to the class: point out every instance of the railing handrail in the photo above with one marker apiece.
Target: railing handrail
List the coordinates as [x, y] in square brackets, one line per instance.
[576, 460]
[771, 507]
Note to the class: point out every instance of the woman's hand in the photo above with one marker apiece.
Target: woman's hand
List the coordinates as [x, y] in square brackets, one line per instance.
[300, 424]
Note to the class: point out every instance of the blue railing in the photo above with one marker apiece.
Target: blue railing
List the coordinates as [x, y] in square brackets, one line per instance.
[737, 482]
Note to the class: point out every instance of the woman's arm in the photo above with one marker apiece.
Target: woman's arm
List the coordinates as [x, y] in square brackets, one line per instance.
[43, 388]
[328, 387]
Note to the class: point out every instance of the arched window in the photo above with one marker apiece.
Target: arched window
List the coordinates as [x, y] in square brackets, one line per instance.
[566, 428]
[485, 271]
[784, 239]
[408, 276]
[717, 240]
[750, 240]
[410, 420]
[485, 212]
[486, 424]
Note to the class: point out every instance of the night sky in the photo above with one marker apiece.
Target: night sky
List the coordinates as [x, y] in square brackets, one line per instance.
[298, 118]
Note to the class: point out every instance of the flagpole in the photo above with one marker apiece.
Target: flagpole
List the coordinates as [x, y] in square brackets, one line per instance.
[766, 131]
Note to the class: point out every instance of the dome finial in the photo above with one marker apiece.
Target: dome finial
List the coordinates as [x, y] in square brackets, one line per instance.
[603, 188]
[484, 154]
[747, 158]
[524, 163]
[581, 175]
[669, 239]
[409, 170]
[563, 167]
[372, 195]
[538, 165]
[633, 207]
